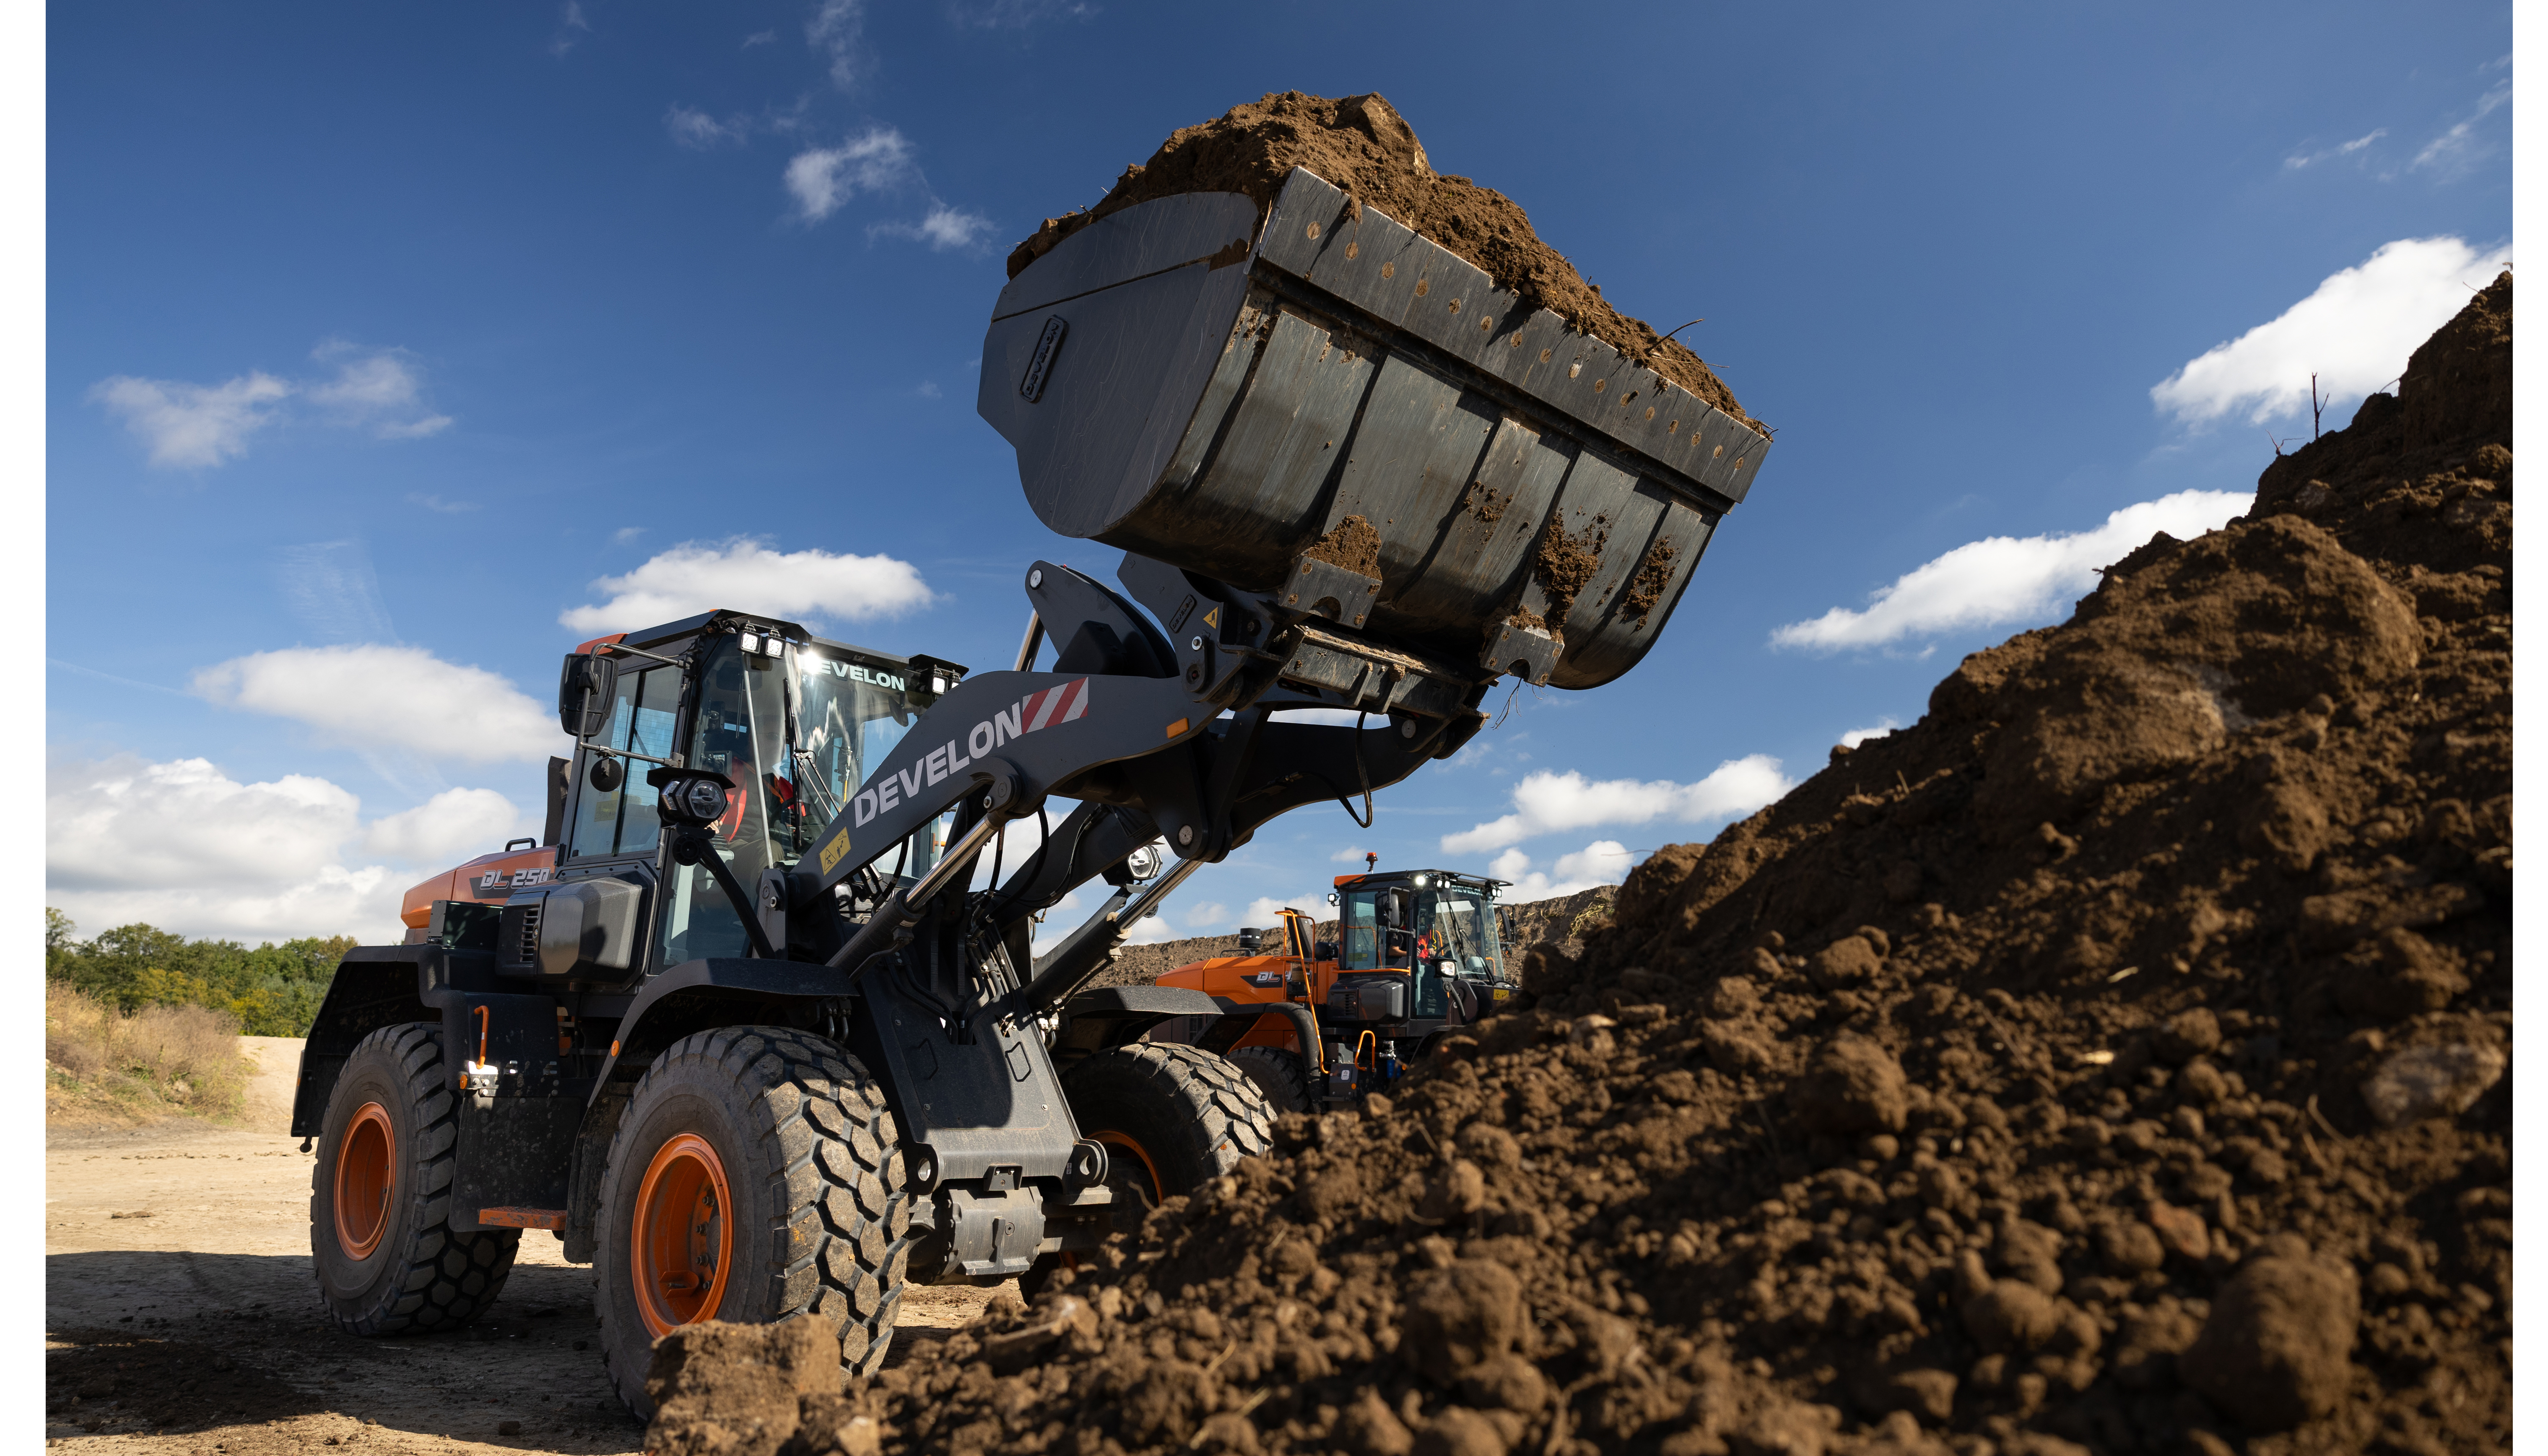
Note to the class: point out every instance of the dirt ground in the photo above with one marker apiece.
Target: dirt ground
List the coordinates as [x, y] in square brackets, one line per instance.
[181, 1319]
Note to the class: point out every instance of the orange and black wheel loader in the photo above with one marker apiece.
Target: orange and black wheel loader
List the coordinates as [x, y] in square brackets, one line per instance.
[1321, 1023]
[758, 1030]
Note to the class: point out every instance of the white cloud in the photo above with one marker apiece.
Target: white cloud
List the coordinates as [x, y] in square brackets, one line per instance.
[454, 825]
[377, 695]
[191, 425]
[1603, 861]
[695, 128]
[1265, 912]
[1546, 802]
[2456, 147]
[1205, 914]
[834, 32]
[992, 15]
[1856, 736]
[943, 229]
[823, 178]
[374, 388]
[747, 576]
[1151, 930]
[2001, 580]
[185, 847]
[376, 381]
[2297, 160]
[1351, 856]
[759, 38]
[572, 27]
[437, 503]
[197, 425]
[2354, 333]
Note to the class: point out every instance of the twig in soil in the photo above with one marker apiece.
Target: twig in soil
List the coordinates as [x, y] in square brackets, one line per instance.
[1666, 339]
[1254, 1400]
[2320, 1117]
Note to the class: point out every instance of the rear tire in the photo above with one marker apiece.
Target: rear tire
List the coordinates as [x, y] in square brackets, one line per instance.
[1278, 1072]
[756, 1177]
[1173, 1119]
[388, 1260]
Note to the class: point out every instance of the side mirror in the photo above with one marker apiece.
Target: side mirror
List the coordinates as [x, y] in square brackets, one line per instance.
[585, 686]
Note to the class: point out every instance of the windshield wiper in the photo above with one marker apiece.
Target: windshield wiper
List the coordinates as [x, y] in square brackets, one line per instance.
[809, 778]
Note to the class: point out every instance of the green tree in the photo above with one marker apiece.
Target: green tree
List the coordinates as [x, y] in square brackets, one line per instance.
[274, 991]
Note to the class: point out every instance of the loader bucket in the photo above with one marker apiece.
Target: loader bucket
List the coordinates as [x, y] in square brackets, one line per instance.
[1224, 398]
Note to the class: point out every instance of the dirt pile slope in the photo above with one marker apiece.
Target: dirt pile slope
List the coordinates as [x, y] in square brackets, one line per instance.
[1364, 146]
[2114, 1060]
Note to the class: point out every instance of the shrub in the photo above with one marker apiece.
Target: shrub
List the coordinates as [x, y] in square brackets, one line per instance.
[160, 1059]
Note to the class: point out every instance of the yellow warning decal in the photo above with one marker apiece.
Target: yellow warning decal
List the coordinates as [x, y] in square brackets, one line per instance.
[833, 852]
[1176, 726]
[1212, 618]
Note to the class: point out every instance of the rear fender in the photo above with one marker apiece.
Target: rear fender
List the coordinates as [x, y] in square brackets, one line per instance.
[1116, 1016]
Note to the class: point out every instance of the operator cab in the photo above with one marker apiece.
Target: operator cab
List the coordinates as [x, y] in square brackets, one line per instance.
[1437, 927]
[793, 722]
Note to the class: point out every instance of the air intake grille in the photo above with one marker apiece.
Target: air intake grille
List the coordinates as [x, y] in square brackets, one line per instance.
[526, 945]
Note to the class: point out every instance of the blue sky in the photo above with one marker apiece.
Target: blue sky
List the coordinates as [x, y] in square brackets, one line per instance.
[383, 340]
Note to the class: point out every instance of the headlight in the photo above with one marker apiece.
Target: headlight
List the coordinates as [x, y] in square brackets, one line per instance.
[1143, 863]
[703, 799]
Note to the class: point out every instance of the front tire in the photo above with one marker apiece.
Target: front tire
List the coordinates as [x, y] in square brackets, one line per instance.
[756, 1177]
[1279, 1073]
[380, 1196]
[1173, 1119]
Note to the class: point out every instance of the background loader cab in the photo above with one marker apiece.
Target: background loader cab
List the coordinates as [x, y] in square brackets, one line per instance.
[1417, 955]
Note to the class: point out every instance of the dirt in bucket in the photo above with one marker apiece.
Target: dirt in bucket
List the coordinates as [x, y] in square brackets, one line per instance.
[1568, 564]
[1646, 588]
[1365, 147]
[2115, 1060]
[1355, 545]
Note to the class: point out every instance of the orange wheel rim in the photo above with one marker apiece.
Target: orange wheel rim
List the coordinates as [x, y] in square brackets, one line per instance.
[365, 1177]
[1158, 1186]
[681, 1244]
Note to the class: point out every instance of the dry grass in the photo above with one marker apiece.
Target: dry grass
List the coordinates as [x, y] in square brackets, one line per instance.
[99, 1064]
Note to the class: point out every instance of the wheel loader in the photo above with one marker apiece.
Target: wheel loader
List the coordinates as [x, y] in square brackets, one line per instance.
[759, 1029]
[1321, 1023]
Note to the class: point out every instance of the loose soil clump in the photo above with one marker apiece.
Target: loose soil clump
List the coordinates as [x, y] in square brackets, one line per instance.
[1568, 564]
[2112, 1061]
[1355, 545]
[1363, 146]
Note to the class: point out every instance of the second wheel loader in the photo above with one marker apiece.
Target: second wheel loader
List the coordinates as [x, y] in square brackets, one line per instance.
[1322, 1023]
[761, 1032]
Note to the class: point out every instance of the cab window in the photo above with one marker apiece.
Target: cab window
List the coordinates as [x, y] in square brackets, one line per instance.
[622, 820]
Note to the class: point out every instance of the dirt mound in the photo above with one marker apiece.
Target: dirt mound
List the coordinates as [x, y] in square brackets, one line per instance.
[1365, 147]
[2114, 1060]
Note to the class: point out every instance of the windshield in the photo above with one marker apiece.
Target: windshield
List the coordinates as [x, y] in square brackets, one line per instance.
[1393, 927]
[849, 716]
[843, 714]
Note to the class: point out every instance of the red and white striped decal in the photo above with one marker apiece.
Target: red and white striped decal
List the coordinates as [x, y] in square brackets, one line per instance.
[1056, 704]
